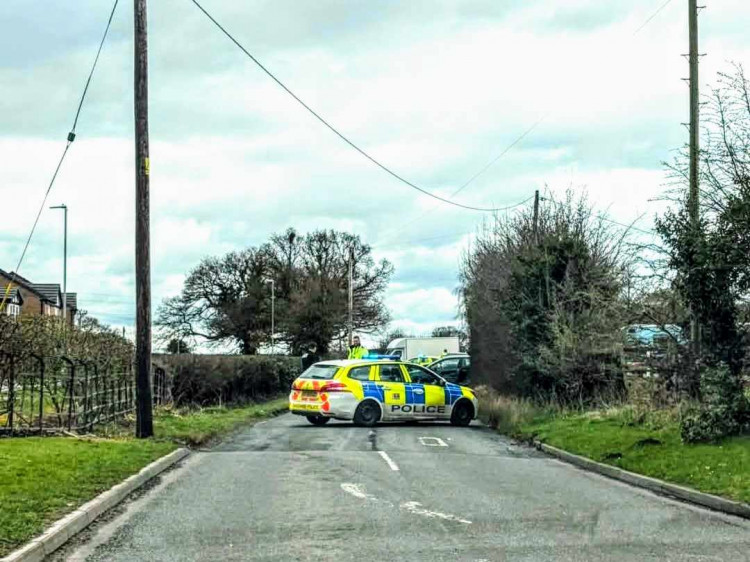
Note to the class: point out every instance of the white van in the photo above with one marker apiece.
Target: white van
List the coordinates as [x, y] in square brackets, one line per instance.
[409, 348]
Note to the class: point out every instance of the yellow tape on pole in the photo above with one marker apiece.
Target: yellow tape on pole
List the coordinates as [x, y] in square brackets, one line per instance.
[5, 297]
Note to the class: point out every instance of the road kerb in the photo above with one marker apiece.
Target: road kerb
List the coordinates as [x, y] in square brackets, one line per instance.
[67, 527]
[652, 484]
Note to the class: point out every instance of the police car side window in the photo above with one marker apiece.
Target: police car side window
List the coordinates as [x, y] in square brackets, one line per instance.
[360, 373]
[391, 373]
[420, 376]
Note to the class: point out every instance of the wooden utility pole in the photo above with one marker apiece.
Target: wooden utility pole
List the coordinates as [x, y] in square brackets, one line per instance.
[693, 196]
[536, 216]
[144, 402]
[351, 295]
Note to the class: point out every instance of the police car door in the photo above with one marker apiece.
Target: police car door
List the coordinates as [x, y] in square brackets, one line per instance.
[425, 393]
[391, 379]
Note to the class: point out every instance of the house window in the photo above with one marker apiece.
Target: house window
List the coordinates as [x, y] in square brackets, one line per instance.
[14, 310]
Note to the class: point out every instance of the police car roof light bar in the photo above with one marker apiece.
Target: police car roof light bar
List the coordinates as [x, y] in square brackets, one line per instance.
[375, 357]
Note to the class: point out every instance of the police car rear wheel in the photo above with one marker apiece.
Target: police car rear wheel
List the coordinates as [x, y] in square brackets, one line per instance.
[367, 414]
[318, 420]
[462, 414]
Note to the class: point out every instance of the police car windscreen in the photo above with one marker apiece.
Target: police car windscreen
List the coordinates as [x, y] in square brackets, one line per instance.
[320, 372]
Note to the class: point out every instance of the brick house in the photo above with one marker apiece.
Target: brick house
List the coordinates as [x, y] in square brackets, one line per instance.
[40, 299]
[15, 300]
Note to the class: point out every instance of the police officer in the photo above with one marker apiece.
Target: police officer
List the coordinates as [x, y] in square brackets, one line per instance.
[445, 352]
[311, 357]
[356, 350]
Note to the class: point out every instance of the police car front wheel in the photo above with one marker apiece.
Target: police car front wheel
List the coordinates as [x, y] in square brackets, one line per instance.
[318, 420]
[462, 414]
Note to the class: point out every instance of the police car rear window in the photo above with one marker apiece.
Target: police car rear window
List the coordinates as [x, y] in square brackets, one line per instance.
[320, 372]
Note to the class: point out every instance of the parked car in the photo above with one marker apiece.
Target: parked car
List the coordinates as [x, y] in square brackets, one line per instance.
[653, 334]
[455, 367]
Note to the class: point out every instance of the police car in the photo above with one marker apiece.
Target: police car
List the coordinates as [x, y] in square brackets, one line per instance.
[423, 360]
[375, 389]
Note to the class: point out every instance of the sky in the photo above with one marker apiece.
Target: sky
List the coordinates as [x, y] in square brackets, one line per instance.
[433, 89]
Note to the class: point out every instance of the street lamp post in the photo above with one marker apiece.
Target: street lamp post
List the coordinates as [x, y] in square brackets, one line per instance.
[65, 260]
[273, 313]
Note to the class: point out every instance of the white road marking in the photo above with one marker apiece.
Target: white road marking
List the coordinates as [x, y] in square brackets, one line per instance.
[389, 460]
[417, 509]
[357, 492]
[412, 507]
[432, 442]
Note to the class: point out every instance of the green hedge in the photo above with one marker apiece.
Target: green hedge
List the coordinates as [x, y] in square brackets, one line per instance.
[219, 379]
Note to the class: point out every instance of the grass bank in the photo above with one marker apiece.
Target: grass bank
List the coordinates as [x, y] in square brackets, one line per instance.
[654, 450]
[643, 441]
[43, 478]
[200, 427]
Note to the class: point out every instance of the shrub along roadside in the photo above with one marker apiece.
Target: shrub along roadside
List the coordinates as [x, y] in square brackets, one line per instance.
[42, 479]
[228, 379]
[645, 441]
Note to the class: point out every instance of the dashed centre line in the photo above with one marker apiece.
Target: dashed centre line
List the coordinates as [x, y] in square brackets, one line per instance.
[389, 460]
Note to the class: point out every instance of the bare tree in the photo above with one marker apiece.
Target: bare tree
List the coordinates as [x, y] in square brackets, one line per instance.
[227, 299]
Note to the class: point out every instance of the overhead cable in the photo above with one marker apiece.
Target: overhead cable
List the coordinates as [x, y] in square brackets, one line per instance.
[332, 128]
[656, 13]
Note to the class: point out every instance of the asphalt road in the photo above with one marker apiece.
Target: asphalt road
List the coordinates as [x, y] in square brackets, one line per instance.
[285, 490]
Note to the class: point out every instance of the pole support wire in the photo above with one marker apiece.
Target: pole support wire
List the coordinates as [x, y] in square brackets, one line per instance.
[71, 137]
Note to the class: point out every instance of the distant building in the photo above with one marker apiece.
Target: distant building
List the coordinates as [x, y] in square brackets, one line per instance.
[35, 299]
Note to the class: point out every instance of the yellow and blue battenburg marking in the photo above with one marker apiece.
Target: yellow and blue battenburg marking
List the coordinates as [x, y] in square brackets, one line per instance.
[414, 397]
[373, 390]
[452, 393]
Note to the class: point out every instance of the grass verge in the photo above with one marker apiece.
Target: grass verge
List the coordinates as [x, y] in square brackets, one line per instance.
[43, 478]
[645, 441]
[652, 450]
[200, 427]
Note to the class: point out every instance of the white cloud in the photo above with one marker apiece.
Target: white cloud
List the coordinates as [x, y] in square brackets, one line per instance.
[435, 89]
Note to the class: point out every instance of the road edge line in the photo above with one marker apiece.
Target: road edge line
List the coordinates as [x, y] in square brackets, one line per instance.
[66, 528]
[655, 485]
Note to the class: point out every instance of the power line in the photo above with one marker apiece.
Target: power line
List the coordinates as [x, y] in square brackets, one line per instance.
[628, 226]
[507, 149]
[331, 127]
[70, 139]
[656, 13]
[422, 215]
[605, 219]
[503, 153]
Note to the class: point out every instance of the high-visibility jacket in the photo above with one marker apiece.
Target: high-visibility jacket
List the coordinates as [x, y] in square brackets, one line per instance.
[357, 352]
